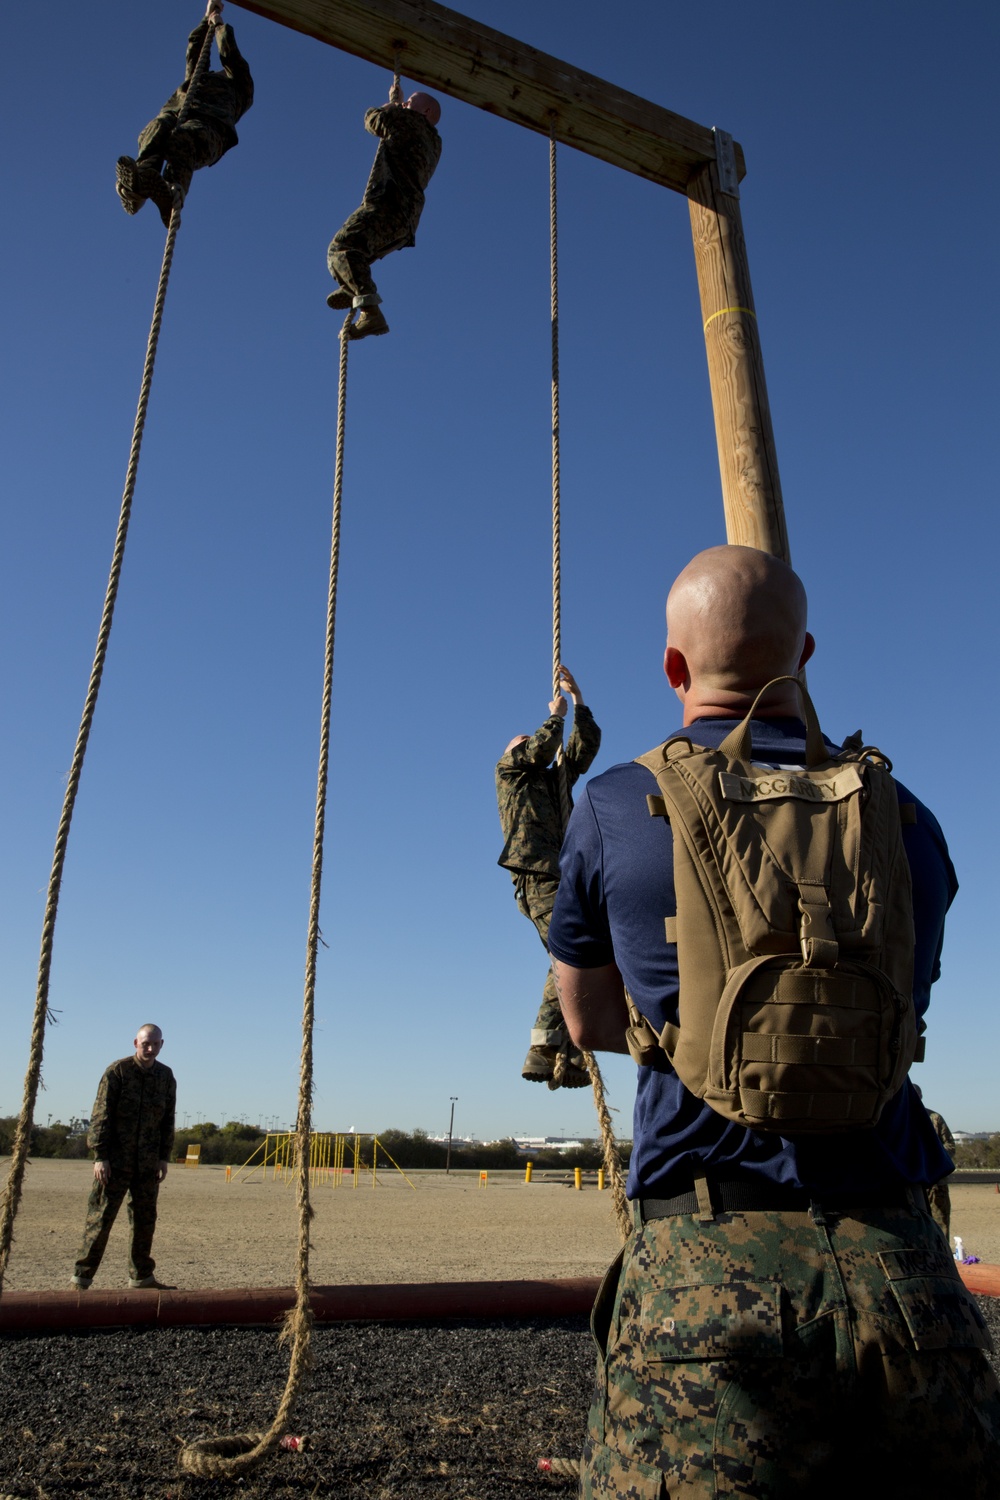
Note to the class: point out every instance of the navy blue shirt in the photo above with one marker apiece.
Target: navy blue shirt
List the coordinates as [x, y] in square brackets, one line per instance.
[616, 886]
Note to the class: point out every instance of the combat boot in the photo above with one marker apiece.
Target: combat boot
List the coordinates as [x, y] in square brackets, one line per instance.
[540, 1067]
[156, 187]
[340, 300]
[370, 321]
[574, 1076]
[127, 174]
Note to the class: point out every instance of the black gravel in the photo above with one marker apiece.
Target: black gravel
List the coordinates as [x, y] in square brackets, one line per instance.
[459, 1411]
[393, 1411]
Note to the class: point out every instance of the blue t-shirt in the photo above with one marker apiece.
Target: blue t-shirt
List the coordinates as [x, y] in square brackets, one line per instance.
[616, 886]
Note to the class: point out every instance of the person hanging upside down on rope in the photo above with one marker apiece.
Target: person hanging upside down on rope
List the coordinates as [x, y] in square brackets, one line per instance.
[532, 824]
[408, 151]
[171, 150]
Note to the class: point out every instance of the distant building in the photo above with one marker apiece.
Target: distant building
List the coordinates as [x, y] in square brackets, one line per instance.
[528, 1143]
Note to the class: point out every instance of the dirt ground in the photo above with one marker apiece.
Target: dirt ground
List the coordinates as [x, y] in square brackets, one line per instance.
[243, 1234]
[448, 1411]
[444, 1228]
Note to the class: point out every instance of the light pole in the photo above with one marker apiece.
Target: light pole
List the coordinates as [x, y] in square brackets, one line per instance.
[451, 1126]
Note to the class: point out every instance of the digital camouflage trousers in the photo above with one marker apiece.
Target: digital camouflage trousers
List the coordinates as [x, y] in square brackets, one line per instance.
[536, 896]
[180, 148]
[939, 1203]
[371, 232]
[776, 1356]
[102, 1210]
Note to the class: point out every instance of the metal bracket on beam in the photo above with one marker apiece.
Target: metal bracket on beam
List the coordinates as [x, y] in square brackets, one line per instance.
[725, 161]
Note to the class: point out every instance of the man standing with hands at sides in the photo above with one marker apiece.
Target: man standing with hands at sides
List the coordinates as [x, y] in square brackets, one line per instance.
[132, 1135]
[785, 1320]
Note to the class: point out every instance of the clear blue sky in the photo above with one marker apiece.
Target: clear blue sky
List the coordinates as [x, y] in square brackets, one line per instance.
[870, 132]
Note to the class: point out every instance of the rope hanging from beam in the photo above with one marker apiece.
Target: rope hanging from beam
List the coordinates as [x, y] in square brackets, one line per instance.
[216, 1458]
[42, 1012]
[612, 1159]
[564, 799]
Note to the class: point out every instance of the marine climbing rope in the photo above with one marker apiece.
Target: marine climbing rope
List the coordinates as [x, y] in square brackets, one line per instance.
[42, 1012]
[609, 1146]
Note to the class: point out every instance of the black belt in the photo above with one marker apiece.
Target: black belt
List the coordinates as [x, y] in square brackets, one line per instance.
[757, 1197]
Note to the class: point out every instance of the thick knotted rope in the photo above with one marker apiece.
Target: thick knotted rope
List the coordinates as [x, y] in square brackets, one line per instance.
[215, 1458]
[565, 805]
[42, 1014]
[612, 1160]
[566, 1468]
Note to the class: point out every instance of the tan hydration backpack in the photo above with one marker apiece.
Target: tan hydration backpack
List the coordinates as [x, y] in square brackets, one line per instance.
[794, 932]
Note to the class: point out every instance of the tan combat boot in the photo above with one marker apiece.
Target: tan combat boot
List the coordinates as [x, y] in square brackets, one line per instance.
[127, 185]
[370, 321]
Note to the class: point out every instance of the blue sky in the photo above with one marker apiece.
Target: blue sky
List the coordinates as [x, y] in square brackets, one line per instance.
[869, 130]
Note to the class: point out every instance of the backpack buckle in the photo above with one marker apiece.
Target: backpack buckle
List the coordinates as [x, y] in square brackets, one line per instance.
[817, 938]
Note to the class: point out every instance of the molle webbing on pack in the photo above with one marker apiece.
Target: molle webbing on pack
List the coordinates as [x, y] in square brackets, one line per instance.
[794, 932]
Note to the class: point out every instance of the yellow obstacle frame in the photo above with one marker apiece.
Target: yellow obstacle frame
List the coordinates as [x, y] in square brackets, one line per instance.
[328, 1155]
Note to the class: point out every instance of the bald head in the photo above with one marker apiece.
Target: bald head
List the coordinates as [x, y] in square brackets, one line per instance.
[736, 618]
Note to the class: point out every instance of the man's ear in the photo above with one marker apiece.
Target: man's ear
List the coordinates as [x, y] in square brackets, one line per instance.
[808, 647]
[676, 667]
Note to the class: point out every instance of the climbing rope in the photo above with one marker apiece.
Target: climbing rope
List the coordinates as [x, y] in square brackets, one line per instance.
[214, 1458]
[42, 1013]
[564, 799]
[199, 68]
[564, 1468]
[609, 1146]
[562, 781]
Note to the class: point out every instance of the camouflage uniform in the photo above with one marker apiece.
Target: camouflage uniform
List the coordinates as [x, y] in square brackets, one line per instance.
[209, 130]
[531, 821]
[408, 151]
[776, 1355]
[132, 1127]
[938, 1194]
[813, 1339]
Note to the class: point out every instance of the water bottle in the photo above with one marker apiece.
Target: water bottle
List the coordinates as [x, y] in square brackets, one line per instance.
[959, 1248]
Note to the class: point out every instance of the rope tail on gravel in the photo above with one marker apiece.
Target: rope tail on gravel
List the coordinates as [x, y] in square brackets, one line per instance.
[43, 1014]
[215, 1458]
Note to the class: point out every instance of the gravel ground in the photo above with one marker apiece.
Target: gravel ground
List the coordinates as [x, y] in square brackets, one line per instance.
[394, 1411]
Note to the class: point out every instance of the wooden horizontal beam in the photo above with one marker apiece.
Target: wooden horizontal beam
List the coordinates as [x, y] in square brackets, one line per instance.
[449, 52]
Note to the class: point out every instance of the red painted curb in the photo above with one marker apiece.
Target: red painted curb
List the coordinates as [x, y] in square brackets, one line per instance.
[57, 1312]
[983, 1280]
[36, 1312]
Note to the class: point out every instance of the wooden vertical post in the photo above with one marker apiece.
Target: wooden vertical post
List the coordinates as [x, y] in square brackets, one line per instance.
[751, 488]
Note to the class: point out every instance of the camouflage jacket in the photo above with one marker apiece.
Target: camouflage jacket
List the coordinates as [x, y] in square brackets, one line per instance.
[132, 1123]
[409, 149]
[942, 1132]
[223, 98]
[528, 792]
